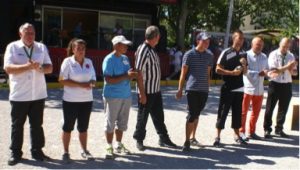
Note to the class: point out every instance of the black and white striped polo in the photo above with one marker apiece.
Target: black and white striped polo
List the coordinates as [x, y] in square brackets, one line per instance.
[147, 61]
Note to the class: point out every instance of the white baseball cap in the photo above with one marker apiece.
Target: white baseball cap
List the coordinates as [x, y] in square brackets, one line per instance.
[120, 39]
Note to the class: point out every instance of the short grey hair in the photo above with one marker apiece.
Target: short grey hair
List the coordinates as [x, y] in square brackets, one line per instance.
[24, 26]
[151, 32]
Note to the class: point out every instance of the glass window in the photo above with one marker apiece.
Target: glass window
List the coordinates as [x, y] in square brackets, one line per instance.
[140, 25]
[52, 27]
[112, 25]
[80, 24]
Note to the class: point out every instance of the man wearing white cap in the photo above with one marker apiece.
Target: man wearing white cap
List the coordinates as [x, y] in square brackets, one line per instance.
[117, 93]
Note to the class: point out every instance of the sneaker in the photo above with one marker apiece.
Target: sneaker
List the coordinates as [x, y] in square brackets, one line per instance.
[194, 142]
[186, 146]
[281, 134]
[121, 149]
[217, 143]
[241, 141]
[109, 153]
[66, 158]
[244, 137]
[87, 155]
[39, 155]
[254, 136]
[140, 146]
[167, 143]
[268, 135]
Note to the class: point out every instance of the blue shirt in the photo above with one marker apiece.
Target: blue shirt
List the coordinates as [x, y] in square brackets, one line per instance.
[116, 66]
[197, 75]
[253, 83]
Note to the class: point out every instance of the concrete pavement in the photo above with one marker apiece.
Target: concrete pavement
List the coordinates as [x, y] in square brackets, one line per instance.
[278, 153]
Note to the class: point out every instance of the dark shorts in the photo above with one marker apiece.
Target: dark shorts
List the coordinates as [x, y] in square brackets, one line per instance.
[196, 103]
[76, 110]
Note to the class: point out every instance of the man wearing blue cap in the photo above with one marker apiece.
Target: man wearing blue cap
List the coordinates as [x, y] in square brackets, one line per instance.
[196, 66]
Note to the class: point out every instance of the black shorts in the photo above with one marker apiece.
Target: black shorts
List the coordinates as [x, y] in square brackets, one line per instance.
[196, 103]
[76, 110]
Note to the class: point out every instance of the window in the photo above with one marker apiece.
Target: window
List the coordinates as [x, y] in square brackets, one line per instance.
[97, 28]
[112, 25]
[52, 27]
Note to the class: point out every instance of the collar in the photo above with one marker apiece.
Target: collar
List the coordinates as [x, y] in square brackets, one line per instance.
[21, 44]
[252, 53]
[73, 61]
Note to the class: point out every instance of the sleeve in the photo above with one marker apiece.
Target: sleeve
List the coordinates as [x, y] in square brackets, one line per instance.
[8, 55]
[47, 59]
[211, 60]
[222, 58]
[128, 65]
[251, 73]
[272, 61]
[141, 57]
[107, 67]
[186, 59]
[64, 70]
[92, 70]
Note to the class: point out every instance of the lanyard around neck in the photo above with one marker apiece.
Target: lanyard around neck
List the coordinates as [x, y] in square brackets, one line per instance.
[29, 55]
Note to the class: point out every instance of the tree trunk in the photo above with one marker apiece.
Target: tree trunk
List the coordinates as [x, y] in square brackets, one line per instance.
[180, 32]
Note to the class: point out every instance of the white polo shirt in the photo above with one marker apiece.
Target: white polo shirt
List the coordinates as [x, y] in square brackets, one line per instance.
[275, 61]
[29, 85]
[72, 70]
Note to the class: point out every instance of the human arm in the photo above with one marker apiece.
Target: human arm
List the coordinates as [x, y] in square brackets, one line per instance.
[184, 70]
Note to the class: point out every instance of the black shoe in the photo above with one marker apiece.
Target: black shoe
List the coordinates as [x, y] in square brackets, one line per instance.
[13, 160]
[186, 146]
[254, 136]
[39, 155]
[241, 141]
[281, 134]
[167, 143]
[140, 146]
[268, 135]
[66, 158]
[217, 143]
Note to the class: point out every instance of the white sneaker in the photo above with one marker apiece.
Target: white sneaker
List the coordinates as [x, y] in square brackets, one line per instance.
[122, 149]
[244, 137]
[109, 153]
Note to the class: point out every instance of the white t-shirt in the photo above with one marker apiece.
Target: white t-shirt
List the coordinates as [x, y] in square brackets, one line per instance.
[72, 70]
[29, 85]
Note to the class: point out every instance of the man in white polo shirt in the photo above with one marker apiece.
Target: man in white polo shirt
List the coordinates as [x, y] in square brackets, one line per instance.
[26, 62]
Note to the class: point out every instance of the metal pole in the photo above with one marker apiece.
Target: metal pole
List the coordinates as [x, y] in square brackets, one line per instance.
[230, 11]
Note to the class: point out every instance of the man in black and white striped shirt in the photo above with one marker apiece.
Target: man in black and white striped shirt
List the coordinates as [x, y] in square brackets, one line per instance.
[148, 88]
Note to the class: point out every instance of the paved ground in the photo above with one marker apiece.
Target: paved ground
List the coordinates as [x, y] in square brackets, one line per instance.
[277, 153]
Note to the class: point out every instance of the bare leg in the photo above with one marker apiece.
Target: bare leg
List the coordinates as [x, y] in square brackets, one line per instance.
[119, 135]
[66, 136]
[194, 128]
[83, 140]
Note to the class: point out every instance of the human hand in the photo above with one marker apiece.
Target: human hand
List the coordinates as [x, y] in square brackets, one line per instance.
[263, 73]
[237, 71]
[132, 74]
[142, 98]
[178, 95]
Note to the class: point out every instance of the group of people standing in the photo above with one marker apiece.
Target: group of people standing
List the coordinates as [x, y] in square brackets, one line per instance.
[27, 61]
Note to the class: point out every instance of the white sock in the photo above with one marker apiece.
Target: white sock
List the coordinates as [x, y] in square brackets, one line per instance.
[119, 144]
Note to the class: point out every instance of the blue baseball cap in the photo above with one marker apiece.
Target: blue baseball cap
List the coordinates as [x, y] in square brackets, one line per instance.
[203, 36]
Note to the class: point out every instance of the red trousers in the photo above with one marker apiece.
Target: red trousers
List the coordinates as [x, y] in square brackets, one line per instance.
[256, 106]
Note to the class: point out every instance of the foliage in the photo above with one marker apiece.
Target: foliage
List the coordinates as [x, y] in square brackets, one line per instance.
[212, 15]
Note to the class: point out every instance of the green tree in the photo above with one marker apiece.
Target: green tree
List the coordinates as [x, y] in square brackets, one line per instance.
[211, 15]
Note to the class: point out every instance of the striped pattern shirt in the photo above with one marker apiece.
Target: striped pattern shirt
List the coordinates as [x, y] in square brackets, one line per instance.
[147, 61]
[198, 64]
